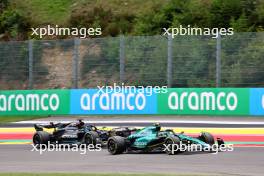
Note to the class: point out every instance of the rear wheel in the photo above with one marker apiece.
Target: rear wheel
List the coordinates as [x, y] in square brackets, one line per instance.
[41, 137]
[91, 138]
[207, 138]
[116, 145]
[172, 145]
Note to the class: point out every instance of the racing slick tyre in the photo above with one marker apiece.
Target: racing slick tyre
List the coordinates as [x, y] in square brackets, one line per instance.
[172, 145]
[41, 137]
[207, 138]
[116, 145]
[91, 138]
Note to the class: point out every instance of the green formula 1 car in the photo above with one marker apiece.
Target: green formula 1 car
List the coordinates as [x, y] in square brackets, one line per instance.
[151, 138]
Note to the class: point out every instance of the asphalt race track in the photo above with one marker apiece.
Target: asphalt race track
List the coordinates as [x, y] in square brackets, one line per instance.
[241, 161]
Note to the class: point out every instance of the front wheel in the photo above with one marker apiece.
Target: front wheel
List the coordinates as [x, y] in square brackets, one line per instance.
[207, 138]
[116, 145]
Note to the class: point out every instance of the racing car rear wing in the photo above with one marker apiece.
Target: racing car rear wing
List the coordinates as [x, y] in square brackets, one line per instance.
[39, 127]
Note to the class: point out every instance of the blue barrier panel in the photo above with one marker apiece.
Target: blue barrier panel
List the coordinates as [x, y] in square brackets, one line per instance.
[257, 101]
[95, 101]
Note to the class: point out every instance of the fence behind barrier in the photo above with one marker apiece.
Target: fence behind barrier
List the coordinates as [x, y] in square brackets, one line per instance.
[185, 61]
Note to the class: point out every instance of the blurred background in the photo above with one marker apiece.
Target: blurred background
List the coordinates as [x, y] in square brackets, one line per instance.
[131, 49]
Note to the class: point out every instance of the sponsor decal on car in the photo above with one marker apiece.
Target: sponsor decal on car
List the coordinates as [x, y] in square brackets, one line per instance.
[69, 136]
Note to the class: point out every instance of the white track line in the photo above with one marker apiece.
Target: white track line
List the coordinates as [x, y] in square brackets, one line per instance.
[148, 121]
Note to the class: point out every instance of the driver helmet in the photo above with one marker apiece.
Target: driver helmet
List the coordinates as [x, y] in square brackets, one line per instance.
[157, 125]
[80, 123]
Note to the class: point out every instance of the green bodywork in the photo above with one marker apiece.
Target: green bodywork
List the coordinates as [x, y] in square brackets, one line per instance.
[151, 136]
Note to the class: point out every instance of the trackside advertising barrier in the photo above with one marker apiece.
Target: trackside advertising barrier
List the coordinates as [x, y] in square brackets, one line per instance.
[35, 102]
[220, 101]
[188, 101]
[94, 101]
[257, 101]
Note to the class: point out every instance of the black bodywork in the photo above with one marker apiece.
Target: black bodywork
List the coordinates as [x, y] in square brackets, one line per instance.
[76, 133]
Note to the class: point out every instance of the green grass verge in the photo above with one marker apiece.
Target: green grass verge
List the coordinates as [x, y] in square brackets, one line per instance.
[45, 11]
[7, 119]
[90, 174]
